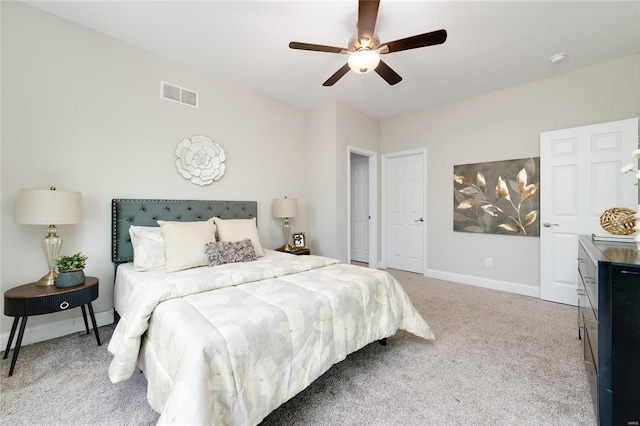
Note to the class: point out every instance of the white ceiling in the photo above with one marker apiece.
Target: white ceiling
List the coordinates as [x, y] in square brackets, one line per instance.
[491, 44]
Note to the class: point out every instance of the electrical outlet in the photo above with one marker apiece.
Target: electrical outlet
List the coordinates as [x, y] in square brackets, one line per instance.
[488, 262]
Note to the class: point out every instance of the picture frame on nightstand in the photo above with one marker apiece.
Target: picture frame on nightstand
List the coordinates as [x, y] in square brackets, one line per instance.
[299, 240]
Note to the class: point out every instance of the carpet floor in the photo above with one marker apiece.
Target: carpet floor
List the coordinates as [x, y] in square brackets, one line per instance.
[498, 359]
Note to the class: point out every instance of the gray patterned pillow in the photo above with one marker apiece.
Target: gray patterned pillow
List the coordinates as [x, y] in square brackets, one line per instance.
[222, 252]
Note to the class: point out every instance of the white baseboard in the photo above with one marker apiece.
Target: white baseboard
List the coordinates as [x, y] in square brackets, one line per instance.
[43, 332]
[525, 290]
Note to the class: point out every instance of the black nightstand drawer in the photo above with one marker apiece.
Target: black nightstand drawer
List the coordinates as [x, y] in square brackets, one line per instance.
[60, 302]
[28, 300]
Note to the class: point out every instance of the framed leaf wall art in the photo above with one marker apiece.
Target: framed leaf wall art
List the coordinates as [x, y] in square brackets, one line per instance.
[498, 197]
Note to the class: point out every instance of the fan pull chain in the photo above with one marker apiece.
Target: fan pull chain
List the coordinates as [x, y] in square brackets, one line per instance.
[362, 87]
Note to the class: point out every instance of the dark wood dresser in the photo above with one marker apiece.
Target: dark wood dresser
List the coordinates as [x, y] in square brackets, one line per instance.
[609, 325]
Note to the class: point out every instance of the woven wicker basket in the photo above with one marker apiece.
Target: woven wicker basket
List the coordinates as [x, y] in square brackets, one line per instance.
[618, 220]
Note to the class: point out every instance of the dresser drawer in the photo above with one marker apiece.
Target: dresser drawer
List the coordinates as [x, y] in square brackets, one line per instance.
[588, 271]
[591, 333]
[590, 363]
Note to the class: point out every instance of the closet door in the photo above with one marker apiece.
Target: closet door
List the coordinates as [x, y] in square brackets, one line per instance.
[360, 209]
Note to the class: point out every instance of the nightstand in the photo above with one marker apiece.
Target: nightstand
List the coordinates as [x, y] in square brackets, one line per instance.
[300, 252]
[29, 299]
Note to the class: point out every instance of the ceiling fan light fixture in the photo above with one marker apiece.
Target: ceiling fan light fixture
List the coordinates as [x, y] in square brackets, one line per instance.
[363, 61]
[364, 48]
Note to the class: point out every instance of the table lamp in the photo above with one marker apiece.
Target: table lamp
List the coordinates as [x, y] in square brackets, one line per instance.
[285, 208]
[49, 207]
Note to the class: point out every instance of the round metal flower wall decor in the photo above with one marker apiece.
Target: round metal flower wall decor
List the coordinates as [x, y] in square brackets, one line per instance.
[200, 160]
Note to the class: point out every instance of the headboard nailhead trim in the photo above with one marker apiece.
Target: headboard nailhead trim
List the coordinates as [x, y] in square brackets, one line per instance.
[146, 212]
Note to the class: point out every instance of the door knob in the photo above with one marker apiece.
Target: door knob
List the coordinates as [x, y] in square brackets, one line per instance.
[419, 220]
[549, 225]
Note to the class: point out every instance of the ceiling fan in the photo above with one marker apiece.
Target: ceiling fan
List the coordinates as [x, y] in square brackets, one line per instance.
[364, 50]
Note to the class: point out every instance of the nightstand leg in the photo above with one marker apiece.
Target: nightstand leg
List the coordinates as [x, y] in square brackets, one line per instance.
[11, 335]
[84, 317]
[16, 350]
[93, 322]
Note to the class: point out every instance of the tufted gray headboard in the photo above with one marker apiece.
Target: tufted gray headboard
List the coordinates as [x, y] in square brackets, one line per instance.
[127, 212]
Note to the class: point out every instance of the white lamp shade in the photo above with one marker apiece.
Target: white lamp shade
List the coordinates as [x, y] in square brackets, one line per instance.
[363, 61]
[48, 207]
[285, 207]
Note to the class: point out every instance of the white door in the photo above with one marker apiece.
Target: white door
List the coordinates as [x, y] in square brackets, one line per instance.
[405, 216]
[580, 178]
[360, 208]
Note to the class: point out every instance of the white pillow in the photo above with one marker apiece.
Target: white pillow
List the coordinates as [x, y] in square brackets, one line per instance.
[184, 243]
[148, 248]
[239, 229]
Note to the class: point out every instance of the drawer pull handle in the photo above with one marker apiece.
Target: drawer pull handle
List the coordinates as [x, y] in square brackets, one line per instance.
[64, 305]
[630, 272]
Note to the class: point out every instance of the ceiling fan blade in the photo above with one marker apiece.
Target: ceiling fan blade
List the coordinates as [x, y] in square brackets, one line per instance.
[316, 47]
[367, 16]
[337, 75]
[421, 40]
[389, 75]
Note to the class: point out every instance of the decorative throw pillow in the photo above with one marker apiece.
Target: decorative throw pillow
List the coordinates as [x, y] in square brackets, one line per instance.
[148, 248]
[238, 230]
[184, 242]
[223, 252]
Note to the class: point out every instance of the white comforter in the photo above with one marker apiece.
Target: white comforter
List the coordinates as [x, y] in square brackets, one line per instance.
[229, 344]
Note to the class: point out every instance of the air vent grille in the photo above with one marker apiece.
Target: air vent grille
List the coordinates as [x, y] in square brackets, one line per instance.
[174, 93]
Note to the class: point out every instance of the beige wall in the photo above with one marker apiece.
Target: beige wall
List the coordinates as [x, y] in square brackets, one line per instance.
[499, 126]
[321, 170]
[82, 111]
[331, 129]
[356, 130]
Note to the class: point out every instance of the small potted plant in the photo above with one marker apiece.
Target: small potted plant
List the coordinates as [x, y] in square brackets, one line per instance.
[70, 270]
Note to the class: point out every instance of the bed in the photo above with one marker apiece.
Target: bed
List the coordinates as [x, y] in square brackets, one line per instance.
[228, 344]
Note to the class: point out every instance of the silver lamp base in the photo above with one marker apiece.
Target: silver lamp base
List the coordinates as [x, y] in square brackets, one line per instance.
[287, 234]
[48, 279]
[51, 245]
